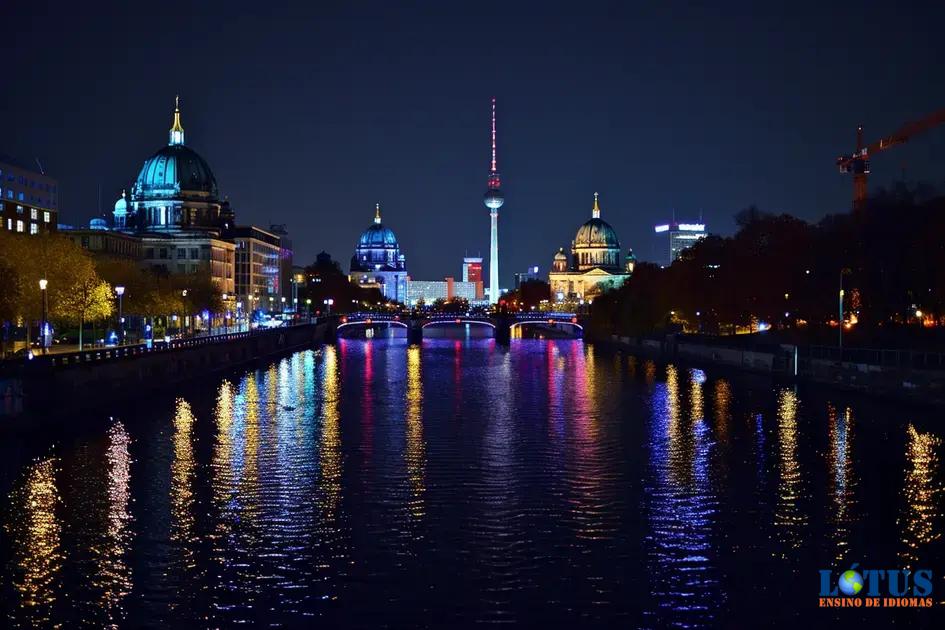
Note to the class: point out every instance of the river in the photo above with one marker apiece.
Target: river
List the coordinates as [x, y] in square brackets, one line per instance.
[372, 483]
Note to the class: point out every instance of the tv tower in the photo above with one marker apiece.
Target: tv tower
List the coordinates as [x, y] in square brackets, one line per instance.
[493, 200]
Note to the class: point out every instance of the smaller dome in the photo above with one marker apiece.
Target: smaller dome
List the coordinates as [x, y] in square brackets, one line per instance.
[98, 224]
[121, 206]
[561, 255]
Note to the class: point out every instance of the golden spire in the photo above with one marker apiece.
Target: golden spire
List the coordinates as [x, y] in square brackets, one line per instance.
[377, 213]
[596, 211]
[177, 130]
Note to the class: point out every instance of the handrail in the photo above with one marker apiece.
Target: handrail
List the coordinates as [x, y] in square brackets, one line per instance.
[121, 352]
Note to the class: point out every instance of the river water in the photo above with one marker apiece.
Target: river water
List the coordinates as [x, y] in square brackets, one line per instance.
[372, 483]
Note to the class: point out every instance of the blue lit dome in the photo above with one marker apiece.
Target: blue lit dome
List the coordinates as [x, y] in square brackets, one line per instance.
[378, 236]
[174, 169]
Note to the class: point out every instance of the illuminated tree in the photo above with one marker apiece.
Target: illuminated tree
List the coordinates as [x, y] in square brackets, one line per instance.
[90, 299]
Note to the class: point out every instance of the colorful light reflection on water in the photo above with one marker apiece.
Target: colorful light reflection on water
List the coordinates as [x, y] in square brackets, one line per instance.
[458, 481]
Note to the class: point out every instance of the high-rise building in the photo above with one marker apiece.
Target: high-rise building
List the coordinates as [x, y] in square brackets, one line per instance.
[525, 276]
[29, 200]
[681, 236]
[472, 272]
[493, 200]
[258, 269]
[285, 258]
[472, 269]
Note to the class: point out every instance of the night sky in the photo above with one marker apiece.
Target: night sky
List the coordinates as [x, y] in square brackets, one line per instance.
[308, 116]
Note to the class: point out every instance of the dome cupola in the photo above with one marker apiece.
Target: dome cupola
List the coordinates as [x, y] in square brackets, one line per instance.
[378, 248]
[596, 244]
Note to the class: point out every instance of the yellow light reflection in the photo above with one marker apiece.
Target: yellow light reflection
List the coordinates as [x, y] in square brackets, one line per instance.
[330, 447]
[115, 571]
[224, 478]
[416, 450]
[723, 409]
[920, 520]
[182, 492]
[788, 517]
[649, 372]
[34, 533]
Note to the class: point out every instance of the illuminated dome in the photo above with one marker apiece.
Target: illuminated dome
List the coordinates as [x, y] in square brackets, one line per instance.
[377, 247]
[596, 244]
[175, 190]
[378, 235]
[596, 232]
[173, 170]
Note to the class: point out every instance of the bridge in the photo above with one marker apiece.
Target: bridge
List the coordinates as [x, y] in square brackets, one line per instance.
[500, 325]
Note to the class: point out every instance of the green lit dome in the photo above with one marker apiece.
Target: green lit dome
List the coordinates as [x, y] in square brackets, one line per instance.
[172, 170]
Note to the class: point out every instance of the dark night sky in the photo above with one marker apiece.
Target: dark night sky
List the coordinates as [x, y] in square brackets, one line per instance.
[308, 116]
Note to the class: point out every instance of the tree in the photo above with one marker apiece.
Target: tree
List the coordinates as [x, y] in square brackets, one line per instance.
[89, 300]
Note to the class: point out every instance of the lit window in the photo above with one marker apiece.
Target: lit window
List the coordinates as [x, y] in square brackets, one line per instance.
[9, 194]
[46, 217]
[19, 209]
[34, 228]
[34, 213]
[21, 197]
[19, 226]
[10, 224]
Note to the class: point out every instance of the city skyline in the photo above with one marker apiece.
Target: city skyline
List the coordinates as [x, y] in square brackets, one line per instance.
[612, 102]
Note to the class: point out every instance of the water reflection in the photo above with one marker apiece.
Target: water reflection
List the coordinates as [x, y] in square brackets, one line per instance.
[682, 505]
[375, 484]
[789, 518]
[35, 531]
[921, 520]
[183, 563]
[842, 480]
[114, 578]
[415, 453]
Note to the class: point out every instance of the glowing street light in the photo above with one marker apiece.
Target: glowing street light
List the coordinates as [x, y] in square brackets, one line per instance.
[328, 302]
[43, 283]
[120, 291]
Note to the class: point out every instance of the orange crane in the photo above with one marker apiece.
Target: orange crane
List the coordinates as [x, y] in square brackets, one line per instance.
[859, 162]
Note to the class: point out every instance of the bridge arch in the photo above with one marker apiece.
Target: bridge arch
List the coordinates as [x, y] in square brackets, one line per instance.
[457, 321]
[571, 324]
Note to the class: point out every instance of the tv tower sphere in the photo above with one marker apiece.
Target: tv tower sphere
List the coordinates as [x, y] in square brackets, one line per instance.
[493, 199]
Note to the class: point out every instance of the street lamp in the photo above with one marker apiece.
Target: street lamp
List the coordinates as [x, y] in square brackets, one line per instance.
[328, 302]
[120, 291]
[308, 307]
[283, 304]
[43, 283]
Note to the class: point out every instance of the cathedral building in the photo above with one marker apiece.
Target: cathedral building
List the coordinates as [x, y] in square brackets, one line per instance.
[377, 262]
[595, 264]
[175, 210]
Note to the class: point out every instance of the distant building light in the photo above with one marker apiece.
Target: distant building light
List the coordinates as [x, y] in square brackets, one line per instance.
[661, 228]
[692, 227]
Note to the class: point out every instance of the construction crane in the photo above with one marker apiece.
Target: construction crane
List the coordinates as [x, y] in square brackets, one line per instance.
[859, 163]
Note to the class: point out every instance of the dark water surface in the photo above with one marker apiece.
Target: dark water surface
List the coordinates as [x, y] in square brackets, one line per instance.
[374, 483]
